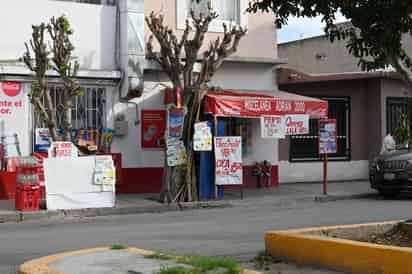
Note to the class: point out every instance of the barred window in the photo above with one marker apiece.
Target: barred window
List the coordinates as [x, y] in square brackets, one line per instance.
[89, 110]
[305, 147]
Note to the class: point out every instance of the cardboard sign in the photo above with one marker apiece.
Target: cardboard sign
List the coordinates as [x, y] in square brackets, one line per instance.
[272, 127]
[175, 122]
[153, 128]
[63, 150]
[328, 141]
[228, 154]
[176, 152]
[297, 124]
[202, 139]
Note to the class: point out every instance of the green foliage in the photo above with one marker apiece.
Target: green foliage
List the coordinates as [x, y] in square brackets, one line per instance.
[118, 247]
[160, 256]
[211, 263]
[376, 31]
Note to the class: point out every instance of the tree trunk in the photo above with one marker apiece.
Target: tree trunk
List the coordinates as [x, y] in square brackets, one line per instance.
[67, 117]
[404, 72]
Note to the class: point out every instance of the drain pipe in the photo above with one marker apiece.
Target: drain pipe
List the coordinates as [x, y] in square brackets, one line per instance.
[121, 99]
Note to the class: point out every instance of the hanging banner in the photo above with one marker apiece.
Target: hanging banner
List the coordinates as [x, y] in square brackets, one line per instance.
[63, 150]
[228, 154]
[153, 128]
[202, 139]
[297, 124]
[176, 153]
[328, 141]
[175, 122]
[272, 127]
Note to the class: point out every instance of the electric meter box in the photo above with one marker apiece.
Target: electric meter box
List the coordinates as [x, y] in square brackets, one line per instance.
[121, 128]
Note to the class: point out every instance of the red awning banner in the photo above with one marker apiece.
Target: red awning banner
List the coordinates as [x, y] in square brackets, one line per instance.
[253, 105]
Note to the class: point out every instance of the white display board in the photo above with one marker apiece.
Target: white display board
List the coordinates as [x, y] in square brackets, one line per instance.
[228, 155]
[70, 185]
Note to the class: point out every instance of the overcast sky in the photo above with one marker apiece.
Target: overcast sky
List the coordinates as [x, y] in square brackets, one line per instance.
[299, 28]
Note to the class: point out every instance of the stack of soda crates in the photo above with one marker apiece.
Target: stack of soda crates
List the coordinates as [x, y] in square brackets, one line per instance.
[28, 185]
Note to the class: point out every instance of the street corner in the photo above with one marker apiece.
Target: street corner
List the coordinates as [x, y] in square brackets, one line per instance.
[119, 260]
[348, 248]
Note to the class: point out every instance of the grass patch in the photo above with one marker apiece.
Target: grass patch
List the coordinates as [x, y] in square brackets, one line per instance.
[117, 247]
[160, 256]
[198, 264]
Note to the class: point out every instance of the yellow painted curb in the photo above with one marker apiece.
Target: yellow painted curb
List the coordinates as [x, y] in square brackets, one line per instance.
[41, 265]
[339, 254]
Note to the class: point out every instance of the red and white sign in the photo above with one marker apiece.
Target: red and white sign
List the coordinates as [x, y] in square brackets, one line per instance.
[228, 154]
[272, 127]
[153, 128]
[256, 105]
[63, 150]
[297, 124]
[11, 101]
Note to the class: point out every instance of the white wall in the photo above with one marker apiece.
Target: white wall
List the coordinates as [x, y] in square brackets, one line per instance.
[94, 29]
[313, 171]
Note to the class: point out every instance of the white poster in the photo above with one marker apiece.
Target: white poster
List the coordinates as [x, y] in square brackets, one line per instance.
[202, 139]
[105, 172]
[272, 127]
[176, 152]
[228, 154]
[297, 124]
[14, 117]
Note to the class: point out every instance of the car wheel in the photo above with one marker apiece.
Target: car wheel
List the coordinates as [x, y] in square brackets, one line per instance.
[388, 194]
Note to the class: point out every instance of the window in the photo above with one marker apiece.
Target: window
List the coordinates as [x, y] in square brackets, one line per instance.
[305, 147]
[395, 108]
[231, 12]
[89, 111]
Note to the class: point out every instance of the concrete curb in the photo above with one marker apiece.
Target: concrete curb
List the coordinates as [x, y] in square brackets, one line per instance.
[334, 198]
[44, 215]
[41, 265]
[338, 254]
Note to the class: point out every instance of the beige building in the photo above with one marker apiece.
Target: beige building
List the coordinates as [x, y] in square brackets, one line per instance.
[367, 106]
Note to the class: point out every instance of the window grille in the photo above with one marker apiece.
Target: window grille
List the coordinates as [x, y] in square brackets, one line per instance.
[89, 110]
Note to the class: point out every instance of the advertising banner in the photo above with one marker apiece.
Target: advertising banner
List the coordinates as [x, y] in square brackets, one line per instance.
[202, 138]
[297, 124]
[228, 154]
[272, 127]
[43, 140]
[153, 128]
[176, 152]
[328, 141]
[175, 123]
[105, 172]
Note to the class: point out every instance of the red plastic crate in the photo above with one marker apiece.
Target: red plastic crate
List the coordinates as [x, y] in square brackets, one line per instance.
[28, 197]
[7, 185]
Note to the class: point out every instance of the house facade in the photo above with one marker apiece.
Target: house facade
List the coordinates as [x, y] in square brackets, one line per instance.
[109, 38]
[367, 105]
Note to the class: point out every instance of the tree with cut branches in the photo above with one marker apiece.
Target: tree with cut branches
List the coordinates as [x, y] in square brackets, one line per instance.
[177, 57]
[374, 36]
[42, 56]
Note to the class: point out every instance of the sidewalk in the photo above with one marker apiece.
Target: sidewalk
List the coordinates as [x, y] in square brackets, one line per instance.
[284, 195]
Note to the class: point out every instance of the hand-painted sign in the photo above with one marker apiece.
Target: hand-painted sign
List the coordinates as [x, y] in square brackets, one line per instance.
[63, 150]
[328, 141]
[272, 127]
[153, 128]
[297, 124]
[228, 154]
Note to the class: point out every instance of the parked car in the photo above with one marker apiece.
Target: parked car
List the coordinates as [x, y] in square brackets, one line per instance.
[391, 173]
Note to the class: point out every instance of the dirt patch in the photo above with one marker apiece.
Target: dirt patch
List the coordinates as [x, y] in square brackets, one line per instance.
[400, 235]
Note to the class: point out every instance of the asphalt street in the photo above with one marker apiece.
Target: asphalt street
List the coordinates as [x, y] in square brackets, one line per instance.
[236, 231]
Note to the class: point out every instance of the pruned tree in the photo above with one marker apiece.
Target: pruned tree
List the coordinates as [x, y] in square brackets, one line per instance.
[50, 48]
[374, 36]
[177, 57]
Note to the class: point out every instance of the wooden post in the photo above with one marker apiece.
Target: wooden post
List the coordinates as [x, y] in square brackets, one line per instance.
[215, 131]
[325, 174]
